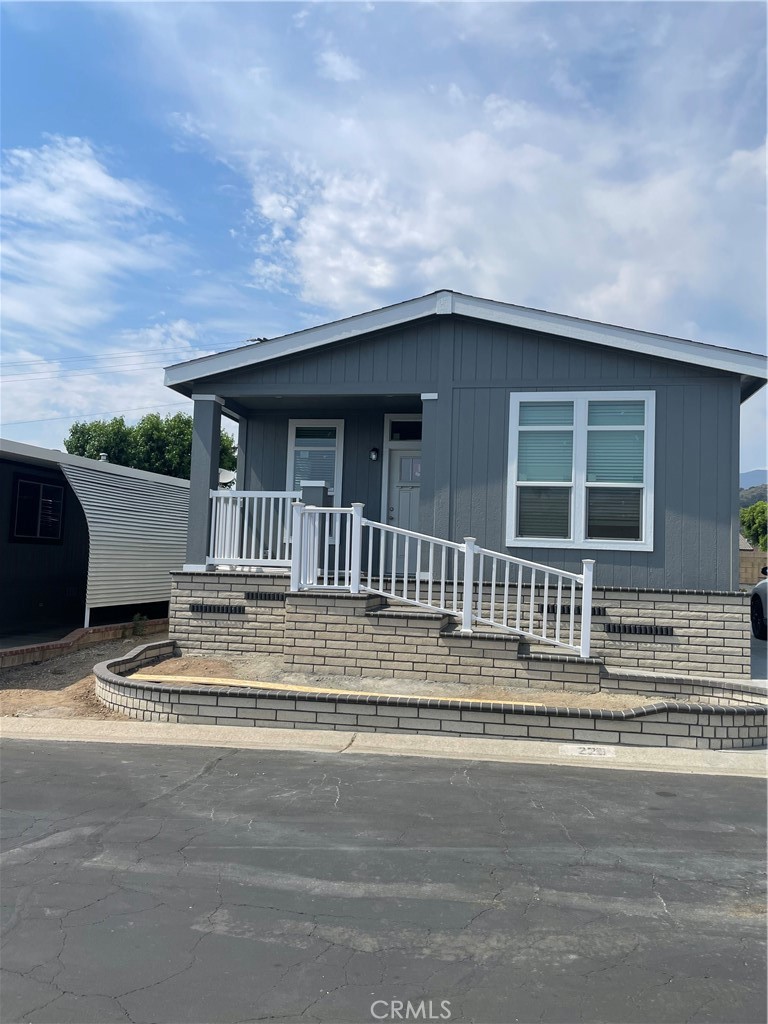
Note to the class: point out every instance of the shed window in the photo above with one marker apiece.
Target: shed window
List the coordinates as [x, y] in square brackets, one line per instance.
[37, 511]
[581, 470]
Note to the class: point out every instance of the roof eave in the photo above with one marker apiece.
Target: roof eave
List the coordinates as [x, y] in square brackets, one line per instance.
[745, 364]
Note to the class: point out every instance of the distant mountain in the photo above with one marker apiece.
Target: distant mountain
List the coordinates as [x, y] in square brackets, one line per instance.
[753, 478]
[749, 495]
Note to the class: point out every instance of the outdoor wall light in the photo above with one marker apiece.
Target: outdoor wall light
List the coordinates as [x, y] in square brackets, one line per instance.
[373, 454]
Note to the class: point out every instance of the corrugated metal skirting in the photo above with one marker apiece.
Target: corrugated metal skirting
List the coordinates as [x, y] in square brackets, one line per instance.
[138, 531]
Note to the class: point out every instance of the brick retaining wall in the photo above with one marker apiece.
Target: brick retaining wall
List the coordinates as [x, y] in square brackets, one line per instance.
[332, 632]
[33, 654]
[661, 724]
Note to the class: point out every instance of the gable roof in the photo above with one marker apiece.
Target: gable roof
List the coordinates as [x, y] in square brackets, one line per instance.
[749, 366]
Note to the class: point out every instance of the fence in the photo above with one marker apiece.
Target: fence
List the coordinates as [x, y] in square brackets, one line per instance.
[251, 528]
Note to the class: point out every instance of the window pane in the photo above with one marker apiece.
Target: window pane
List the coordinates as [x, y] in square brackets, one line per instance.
[50, 512]
[545, 455]
[546, 414]
[616, 414]
[405, 430]
[614, 513]
[27, 508]
[543, 511]
[316, 437]
[313, 465]
[615, 456]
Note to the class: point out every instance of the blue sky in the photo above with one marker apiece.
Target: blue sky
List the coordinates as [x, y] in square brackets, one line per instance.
[181, 177]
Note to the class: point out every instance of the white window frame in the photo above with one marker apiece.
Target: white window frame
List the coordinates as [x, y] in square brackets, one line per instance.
[578, 485]
[338, 470]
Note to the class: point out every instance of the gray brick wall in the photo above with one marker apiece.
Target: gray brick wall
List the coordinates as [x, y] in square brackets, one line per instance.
[694, 727]
[336, 633]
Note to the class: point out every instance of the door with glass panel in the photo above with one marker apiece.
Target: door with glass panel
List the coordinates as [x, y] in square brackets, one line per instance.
[315, 452]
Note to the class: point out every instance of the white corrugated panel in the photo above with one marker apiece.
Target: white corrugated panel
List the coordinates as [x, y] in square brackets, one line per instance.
[138, 534]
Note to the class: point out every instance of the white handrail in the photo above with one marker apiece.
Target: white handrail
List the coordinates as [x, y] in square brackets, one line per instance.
[251, 528]
[476, 585]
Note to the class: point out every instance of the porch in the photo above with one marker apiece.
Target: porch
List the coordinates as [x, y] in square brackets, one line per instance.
[327, 548]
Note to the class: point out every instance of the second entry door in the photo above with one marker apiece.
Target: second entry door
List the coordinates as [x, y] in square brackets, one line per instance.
[403, 501]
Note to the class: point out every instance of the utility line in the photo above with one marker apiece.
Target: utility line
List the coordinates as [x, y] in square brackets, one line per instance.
[133, 368]
[91, 358]
[85, 415]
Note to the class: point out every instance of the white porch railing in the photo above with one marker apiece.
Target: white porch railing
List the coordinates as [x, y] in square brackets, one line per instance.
[251, 528]
[336, 548]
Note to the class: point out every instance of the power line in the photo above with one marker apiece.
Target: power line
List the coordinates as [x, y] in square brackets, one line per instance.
[133, 368]
[91, 358]
[85, 415]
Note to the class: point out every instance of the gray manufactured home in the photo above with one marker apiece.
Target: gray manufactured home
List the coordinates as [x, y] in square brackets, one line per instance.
[543, 437]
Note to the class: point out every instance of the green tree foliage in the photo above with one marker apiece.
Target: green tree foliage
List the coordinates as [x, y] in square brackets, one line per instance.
[753, 524]
[749, 495]
[156, 443]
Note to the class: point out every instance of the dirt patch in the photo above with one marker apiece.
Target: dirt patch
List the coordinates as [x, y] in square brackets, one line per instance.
[64, 686]
[265, 668]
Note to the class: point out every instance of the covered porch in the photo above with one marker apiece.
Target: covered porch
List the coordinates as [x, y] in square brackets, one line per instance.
[380, 450]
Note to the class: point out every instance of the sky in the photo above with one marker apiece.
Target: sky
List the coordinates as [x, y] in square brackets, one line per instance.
[178, 178]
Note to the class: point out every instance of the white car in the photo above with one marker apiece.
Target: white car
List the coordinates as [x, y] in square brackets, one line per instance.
[758, 609]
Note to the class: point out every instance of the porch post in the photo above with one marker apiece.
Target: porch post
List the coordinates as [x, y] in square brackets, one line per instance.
[467, 593]
[356, 547]
[297, 548]
[588, 565]
[204, 477]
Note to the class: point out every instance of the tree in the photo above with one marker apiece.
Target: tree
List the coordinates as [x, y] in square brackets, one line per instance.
[156, 443]
[749, 495]
[753, 524]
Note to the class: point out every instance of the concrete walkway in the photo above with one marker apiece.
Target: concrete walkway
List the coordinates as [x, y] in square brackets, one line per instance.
[746, 763]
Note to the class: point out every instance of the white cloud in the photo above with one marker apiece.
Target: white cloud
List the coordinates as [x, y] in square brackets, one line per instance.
[41, 395]
[73, 232]
[338, 67]
[618, 205]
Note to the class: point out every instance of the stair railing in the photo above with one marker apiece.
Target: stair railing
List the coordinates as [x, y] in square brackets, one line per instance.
[337, 549]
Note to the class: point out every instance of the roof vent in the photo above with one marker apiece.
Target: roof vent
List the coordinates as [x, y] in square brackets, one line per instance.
[103, 457]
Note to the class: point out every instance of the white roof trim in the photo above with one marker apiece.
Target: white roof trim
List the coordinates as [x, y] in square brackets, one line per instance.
[50, 457]
[443, 302]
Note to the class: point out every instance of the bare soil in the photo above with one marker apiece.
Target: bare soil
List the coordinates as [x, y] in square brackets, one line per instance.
[266, 668]
[64, 686]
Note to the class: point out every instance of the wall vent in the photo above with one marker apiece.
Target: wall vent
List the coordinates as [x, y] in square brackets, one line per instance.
[218, 609]
[565, 609]
[638, 629]
[264, 595]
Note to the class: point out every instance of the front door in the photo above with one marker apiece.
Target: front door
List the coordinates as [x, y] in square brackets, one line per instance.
[403, 505]
[403, 488]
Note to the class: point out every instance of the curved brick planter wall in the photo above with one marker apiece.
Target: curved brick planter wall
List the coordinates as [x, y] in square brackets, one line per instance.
[33, 654]
[665, 723]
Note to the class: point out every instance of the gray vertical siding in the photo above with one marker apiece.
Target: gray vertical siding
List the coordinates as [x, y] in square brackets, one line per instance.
[267, 453]
[41, 583]
[473, 367]
[696, 466]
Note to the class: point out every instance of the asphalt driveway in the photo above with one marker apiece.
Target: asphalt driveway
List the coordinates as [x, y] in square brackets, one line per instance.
[178, 884]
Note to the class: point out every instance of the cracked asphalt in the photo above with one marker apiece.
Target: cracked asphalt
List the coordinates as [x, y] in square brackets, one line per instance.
[195, 886]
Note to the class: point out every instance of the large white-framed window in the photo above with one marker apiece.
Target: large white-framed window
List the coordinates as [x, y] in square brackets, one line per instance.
[315, 452]
[580, 470]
